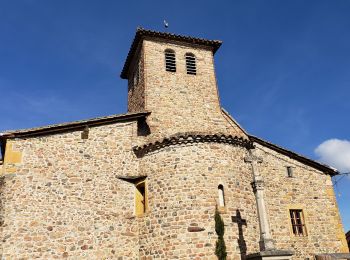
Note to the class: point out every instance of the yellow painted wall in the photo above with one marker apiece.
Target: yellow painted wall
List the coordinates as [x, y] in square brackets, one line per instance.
[11, 158]
[340, 230]
[141, 203]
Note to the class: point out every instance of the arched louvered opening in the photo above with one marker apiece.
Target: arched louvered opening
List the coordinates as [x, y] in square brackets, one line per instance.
[170, 62]
[191, 64]
[221, 196]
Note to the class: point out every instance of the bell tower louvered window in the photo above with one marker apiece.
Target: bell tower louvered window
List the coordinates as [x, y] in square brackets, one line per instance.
[170, 62]
[191, 64]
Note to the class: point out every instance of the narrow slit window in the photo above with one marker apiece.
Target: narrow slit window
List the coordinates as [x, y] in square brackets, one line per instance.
[170, 61]
[289, 171]
[191, 64]
[221, 196]
[298, 222]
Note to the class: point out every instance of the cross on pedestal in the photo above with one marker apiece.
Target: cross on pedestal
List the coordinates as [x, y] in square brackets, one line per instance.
[266, 243]
[240, 223]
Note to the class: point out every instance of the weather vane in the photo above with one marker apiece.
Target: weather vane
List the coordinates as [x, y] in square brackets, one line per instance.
[166, 24]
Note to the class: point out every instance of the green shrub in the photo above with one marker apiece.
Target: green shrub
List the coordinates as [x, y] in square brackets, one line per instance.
[220, 247]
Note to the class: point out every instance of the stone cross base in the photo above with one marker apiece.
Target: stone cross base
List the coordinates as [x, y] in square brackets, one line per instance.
[271, 254]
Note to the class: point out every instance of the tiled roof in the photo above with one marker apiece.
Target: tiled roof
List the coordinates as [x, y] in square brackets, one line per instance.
[322, 167]
[56, 128]
[192, 137]
[141, 33]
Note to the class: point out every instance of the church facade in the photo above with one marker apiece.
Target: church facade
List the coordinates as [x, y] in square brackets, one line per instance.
[146, 184]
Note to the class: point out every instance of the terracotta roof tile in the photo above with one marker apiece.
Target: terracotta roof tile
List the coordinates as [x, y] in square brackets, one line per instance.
[141, 33]
[72, 125]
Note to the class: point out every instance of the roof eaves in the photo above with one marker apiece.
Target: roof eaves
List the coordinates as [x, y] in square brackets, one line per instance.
[322, 167]
[70, 126]
[141, 33]
[234, 120]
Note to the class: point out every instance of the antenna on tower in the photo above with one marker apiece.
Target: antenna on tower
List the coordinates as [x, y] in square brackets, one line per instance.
[166, 24]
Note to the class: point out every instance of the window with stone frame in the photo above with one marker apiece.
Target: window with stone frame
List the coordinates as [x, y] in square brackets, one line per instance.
[191, 64]
[170, 60]
[298, 222]
[141, 202]
[289, 171]
[221, 195]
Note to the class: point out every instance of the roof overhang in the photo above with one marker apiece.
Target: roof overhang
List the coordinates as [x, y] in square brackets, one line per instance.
[72, 126]
[143, 33]
[319, 166]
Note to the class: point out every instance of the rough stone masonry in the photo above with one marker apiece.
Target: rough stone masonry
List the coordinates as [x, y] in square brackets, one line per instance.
[145, 184]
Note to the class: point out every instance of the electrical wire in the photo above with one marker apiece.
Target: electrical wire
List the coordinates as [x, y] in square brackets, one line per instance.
[338, 180]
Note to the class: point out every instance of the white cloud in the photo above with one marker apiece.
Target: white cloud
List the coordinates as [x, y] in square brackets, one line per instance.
[335, 153]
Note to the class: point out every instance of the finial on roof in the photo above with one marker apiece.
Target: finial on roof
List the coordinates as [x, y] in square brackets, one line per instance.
[166, 24]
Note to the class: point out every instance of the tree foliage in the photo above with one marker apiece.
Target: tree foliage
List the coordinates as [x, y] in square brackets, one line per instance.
[220, 247]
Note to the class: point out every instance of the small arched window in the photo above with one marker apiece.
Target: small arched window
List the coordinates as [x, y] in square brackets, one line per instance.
[191, 64]
[221, 196]
[170, 62]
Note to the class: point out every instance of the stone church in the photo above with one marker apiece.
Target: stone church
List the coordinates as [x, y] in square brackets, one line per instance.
[146, 184]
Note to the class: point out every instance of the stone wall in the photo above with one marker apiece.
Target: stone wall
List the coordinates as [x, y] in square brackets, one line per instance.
[136, 84]
[183, 185]
[309, 190]
[180, 102]
[63, 198]
[60, 197]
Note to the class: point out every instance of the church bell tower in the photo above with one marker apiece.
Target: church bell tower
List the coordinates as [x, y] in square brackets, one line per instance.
[173, 77]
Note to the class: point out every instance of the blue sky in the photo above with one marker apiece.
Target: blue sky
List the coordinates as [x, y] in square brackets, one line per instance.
[283, 68]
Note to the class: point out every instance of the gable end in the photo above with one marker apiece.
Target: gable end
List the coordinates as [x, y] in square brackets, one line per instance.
[322, 167]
